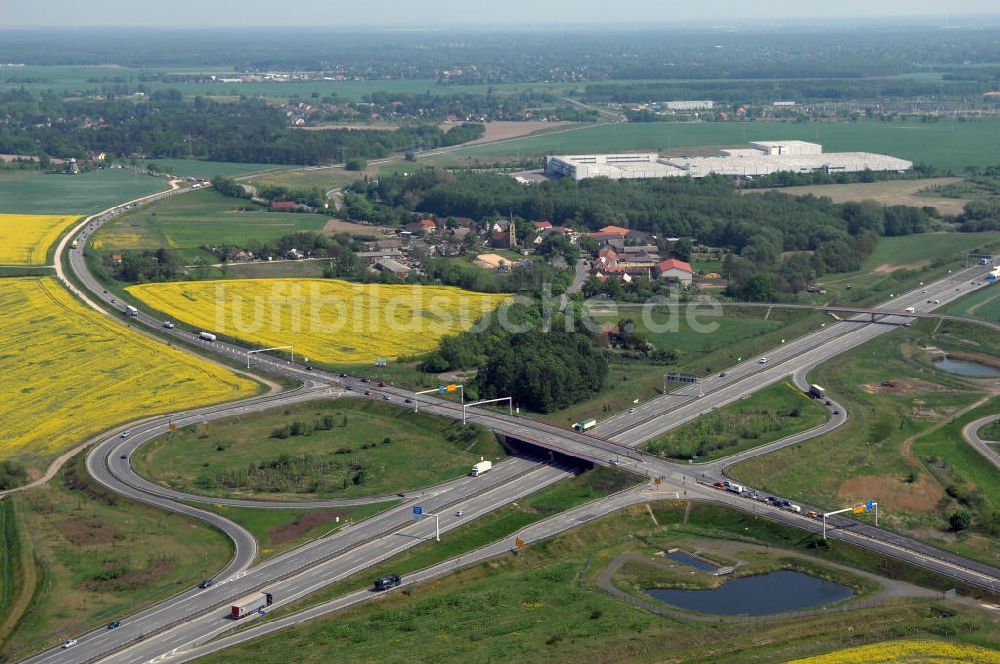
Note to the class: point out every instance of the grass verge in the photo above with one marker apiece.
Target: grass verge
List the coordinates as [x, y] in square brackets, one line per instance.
[500, 523]
[100, 556]
[278, 530]
[902, 443]
[342, 448]
[545, 604]
[765, 416]
[740, 333]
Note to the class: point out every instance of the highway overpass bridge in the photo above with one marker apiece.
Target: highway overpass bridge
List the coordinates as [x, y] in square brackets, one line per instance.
[613, 441]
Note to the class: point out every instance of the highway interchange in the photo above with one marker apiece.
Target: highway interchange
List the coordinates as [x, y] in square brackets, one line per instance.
[173, 630]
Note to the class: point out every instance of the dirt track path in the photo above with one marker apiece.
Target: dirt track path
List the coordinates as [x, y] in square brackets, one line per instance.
[906, 449]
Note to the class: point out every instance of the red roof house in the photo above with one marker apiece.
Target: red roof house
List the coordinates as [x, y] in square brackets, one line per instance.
[675, 269]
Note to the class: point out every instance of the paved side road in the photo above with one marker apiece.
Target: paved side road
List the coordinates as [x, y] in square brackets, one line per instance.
[971, 434]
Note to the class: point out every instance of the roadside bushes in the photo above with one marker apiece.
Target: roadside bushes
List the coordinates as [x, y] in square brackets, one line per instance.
[298, 428]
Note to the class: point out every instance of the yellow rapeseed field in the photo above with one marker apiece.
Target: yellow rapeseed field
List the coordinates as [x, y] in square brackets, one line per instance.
[26, 238]
[69, 372]
[324, 319]
[906, 652]
[123, 240]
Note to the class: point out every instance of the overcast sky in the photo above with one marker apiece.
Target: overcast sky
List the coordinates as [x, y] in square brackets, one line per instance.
[341, 13]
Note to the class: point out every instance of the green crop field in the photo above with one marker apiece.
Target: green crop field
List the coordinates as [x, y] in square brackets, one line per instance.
[188, 221]
[944, 145]
[365, 448]
[31, 192]
[207, 169]
[324, 178]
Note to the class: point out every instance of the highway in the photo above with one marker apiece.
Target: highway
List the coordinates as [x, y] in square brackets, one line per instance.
[681, 405]
[159, 630]
[883, 311]
[536, 532]
[199, 614]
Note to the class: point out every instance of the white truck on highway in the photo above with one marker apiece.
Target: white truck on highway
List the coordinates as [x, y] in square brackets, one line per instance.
[909, 310]
[249, 604]
[481, 467]
[817, 391]
[735, 488]
[207, 336]
[131, 311]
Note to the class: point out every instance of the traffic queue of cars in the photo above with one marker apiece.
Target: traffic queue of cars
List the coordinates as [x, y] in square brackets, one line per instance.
[751, 494]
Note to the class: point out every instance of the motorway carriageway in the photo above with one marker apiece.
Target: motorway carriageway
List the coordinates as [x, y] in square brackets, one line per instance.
[586, 446]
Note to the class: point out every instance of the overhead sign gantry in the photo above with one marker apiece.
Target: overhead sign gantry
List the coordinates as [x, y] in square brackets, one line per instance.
[857, 508]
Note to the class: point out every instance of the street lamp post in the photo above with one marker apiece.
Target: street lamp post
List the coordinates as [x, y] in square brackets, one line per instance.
[437, 525]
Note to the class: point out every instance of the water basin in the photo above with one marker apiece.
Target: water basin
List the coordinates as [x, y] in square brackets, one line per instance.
[966, 368]
[776, 592]
[692, 561]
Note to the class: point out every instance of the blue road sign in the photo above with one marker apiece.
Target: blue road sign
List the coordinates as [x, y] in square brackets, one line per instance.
[870, 505]
[441, 389]
[418, 512]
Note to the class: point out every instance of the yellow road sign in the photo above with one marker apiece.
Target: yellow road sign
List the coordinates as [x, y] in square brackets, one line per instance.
[519, 543]
[859, 508]
[171, 426]
[450, 388]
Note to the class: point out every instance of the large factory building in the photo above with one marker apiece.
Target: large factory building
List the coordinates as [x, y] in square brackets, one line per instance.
[760, 158]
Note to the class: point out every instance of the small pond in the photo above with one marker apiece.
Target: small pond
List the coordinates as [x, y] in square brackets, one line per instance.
[966, 368]
[776, 592]
[692, 561]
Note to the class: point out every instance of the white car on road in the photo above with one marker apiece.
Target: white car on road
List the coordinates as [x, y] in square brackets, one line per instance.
[69, 643]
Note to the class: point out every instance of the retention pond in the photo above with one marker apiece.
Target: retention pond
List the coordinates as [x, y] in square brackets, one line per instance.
[776, 592]
[967, 368]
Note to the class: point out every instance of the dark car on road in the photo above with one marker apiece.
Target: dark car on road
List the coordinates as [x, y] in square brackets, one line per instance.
[207, 583]
[114, 624]
[386, 582]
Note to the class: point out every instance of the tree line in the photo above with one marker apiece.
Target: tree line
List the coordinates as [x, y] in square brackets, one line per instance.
[167, 126]
[821, 88]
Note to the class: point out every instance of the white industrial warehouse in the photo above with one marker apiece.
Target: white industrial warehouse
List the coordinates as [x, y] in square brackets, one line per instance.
[760, 158]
